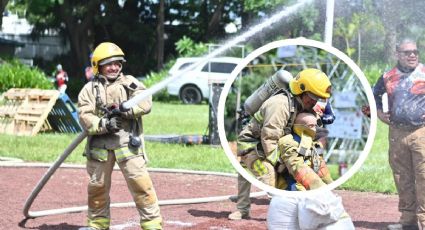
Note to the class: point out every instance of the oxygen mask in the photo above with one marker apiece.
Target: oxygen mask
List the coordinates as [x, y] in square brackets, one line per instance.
[305, 130]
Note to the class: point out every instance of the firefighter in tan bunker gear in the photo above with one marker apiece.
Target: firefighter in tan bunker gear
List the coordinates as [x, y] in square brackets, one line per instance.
[258, 141]
[115, 137]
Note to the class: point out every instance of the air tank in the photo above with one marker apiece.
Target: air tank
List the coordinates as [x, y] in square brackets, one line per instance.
[279, 80]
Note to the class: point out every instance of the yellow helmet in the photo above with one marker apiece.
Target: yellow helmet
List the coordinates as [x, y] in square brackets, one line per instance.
[313, 81]
[104, 53]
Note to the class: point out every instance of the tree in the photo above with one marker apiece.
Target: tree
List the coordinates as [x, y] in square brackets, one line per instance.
[160, 37]
[145, 30]
[3, 4]
[215, 21]
[78, 26]
[72, 19]
[390, 22]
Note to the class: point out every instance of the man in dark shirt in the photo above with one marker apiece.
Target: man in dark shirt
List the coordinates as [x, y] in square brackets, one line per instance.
[405, 87]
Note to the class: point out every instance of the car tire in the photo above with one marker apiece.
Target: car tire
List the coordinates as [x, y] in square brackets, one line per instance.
[190, 94]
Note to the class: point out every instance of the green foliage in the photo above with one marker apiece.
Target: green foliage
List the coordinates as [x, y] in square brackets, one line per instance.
[186, 47]
[374, 71]
[17, 75]
[155, 77]
[259, 5]
[247, 86]
[308, 16]
[348, 30]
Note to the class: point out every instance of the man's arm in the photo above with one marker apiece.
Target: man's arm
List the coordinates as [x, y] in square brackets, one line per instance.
[296, 166]
[143, 107]
[90, 122]
[378, 91]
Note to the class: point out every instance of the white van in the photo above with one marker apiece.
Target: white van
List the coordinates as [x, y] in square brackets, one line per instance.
[193, 86]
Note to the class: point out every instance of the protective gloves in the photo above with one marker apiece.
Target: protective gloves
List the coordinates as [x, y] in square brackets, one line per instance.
[113, 124]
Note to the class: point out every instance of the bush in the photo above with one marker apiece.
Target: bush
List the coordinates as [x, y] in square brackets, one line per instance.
[154, 78]
[374, 71]
[250, 83]
[14, 74]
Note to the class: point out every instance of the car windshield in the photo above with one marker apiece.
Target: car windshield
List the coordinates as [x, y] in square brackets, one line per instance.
[219, 67]
[185, 65]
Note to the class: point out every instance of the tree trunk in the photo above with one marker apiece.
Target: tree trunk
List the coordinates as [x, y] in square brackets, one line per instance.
[160, 37]
[247, 18]
[387, 12]
[3, 4]
[78, 35]
[214, 22]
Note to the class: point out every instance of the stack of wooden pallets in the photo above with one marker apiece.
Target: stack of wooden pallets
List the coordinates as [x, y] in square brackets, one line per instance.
[26, 112]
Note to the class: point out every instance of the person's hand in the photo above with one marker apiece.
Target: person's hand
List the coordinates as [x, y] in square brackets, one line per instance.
[384, 117]
[114, 124]
[318, 109]
[366, 110]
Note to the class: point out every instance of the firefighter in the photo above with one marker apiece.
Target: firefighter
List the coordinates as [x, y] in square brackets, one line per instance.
[115, 136]
[258, 141]
[302, 160]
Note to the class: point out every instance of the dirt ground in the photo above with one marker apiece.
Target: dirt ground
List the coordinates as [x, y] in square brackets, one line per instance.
[67, 188]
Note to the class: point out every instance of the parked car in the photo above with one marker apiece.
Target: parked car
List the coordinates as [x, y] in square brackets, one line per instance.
[194, 85]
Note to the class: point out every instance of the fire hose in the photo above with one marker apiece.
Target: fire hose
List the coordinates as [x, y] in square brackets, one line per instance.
[55, 166]
[133, 101]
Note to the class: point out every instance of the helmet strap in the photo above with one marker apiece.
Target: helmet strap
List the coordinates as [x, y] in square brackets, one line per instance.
[300, 101]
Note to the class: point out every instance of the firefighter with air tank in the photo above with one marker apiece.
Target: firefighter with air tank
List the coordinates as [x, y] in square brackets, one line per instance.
[115, 136]
[274, 108]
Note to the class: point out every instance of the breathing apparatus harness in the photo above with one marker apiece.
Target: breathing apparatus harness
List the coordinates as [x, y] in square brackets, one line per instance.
[276, 84]
[115, 110]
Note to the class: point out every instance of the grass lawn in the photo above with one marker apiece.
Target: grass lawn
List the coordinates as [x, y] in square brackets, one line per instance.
[374, 175]
[164, 119]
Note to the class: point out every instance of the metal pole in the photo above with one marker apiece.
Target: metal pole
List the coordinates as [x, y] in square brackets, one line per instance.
[330, 4]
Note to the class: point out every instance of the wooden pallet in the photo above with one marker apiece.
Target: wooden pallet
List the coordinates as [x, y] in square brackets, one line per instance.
[24, 111]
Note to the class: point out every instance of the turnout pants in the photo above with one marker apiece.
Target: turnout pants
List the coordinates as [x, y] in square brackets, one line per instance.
[262, 170]
[139, 183]
[407, 161]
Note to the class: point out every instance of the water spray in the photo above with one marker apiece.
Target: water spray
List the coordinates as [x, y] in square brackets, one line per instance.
[157, 87]
[241, 38]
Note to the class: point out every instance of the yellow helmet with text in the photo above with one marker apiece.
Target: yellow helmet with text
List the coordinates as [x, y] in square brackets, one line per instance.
[312, 81]
[104, 53]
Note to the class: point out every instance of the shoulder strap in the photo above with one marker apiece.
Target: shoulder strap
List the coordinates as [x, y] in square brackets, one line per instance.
[292, 113]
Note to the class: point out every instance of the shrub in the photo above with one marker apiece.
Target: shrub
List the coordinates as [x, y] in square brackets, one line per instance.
[250, 83]
[153, 78]
[14, 74]
[374, 71]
